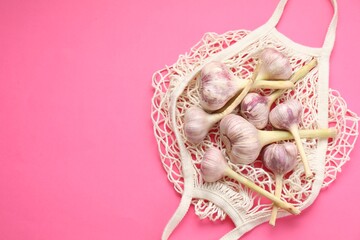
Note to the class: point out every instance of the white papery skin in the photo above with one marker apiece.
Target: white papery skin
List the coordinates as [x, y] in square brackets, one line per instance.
[286, 114]
[254, 108]
[213, 165]
[274, 65]
[240, 138]
[196, 124]
[217, 86]
[280, 158]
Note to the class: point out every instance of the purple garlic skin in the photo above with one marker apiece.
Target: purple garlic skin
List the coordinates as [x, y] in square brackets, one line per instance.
[196, 124]
[240, 138]
[255, 109]
[216, 86]
[274, 65]
[280, 158]
[213, 165]
[286, 114]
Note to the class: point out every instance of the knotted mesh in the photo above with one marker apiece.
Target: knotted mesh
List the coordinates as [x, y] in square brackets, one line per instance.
[296, 188]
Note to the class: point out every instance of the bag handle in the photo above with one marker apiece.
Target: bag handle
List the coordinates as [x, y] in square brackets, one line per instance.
[330, 35]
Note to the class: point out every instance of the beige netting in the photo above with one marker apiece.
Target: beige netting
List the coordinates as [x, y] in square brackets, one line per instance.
[296, 189]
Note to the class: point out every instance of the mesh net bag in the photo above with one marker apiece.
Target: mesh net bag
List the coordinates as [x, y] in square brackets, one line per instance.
[296, 189]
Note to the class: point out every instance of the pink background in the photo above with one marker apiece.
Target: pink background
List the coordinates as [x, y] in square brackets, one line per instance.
[78, 159]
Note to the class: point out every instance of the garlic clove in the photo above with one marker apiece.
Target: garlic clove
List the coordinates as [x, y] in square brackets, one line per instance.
[280, 158]
[197, 124]
[213, 165]
[255, 109]
[274, 65]
[240, 139]
[217, 86]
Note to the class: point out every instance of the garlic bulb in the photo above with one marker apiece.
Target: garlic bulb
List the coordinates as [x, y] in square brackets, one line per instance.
[256, 108]
[218, 85]
[274, 65]
[197, 124]
[240, 138]
[287, 116]
[280, 159]
[214, 167]
[244, 142]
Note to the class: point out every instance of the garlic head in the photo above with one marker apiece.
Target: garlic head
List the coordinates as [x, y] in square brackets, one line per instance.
[240, 138]
[213, 165]
[255, 109]
[274, 65]
[196, 124]
[280, 158]
[217, 86]
[286, 114]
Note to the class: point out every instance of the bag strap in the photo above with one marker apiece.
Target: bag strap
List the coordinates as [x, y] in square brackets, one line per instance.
[331, 32]
[330, 35]
[188, 171]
